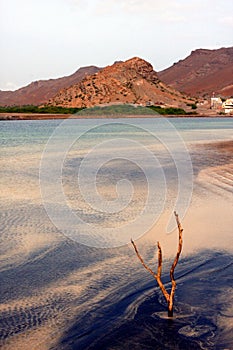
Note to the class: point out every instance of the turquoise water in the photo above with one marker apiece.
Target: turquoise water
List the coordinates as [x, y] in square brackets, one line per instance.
[16, 133]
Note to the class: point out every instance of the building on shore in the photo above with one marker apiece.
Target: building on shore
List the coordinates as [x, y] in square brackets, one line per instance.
[215, 103]
[228, 106]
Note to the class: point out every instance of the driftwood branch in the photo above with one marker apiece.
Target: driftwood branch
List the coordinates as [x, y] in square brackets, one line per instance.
[172, 294]
[159, 281]
[169, 297]
[142, 261]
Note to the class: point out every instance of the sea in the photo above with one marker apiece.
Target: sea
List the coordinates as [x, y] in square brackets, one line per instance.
[75, 192]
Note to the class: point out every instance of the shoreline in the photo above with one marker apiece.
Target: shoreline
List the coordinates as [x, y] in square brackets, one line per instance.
[37, 116]
[59, 294]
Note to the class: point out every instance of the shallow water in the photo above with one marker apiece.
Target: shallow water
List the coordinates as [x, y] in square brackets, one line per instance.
[57, 293]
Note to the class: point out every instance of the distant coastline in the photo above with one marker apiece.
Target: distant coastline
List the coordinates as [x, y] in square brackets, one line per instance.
[30, 116]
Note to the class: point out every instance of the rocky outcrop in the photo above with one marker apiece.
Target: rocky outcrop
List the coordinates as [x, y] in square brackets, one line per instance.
[132, 81]
[202, 73]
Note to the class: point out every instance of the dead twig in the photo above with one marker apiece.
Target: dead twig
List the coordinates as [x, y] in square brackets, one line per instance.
[169, 297]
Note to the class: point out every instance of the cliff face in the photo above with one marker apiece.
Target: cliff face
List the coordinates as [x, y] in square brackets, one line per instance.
[132, 81]
[202, 73]
[41, 91]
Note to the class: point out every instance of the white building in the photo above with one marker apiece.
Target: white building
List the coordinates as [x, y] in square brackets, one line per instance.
[228, 106]
[215, 103]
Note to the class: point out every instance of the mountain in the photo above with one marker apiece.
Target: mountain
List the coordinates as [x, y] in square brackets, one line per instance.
[202, 73]
[41, 91]
[132, 81]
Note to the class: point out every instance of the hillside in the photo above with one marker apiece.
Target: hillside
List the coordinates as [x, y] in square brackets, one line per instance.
[202, 73]
[133, 81]
[41, 91]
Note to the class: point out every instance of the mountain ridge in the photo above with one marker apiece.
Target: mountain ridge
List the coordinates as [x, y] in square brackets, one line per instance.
[39, 92]
[200, 74]
[203, 72]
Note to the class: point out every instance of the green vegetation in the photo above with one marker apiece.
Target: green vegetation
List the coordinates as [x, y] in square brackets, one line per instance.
[36, 109]
[192, 105]
[117, 109]
[108, 110]
[168, 110]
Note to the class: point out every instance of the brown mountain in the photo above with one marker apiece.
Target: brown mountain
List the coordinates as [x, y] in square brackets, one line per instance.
[202, 73]
[132, 81]
[41, 91]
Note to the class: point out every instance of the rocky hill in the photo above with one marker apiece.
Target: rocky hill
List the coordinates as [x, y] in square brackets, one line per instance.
[202, 73]
[133, 81]
[41, 91]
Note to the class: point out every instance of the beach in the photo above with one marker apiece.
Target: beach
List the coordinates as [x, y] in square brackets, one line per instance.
[59, 293]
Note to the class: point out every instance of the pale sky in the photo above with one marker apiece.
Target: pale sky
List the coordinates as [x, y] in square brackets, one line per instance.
[42, 39]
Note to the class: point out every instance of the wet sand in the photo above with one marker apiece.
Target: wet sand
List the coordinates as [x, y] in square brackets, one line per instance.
[58, 294]
[203, 316]
[226, 147]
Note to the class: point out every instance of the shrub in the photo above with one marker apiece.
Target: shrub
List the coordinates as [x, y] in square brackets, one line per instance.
[36, 109]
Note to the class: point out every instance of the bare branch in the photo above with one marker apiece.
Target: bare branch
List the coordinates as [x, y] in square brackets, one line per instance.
[159, 260]
[179, 247]
[172, 294]
[160, 283]
[142, 261]
[169, 297]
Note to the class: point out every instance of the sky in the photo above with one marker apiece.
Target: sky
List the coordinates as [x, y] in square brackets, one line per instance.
[43, 39]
